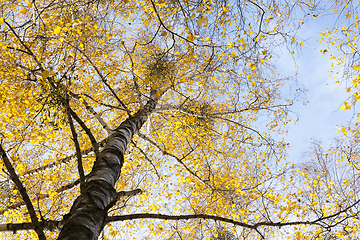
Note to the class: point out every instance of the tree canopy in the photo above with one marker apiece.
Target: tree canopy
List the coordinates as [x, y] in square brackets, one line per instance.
[167, 119]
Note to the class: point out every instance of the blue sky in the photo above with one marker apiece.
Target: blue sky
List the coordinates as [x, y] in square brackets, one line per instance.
[319, 117]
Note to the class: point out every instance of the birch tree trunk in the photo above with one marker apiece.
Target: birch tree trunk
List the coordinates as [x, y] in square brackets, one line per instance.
[86, 218]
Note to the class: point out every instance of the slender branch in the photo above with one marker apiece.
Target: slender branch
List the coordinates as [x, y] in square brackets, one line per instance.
[24, 45]
[76, 142]
[42, 196]
[87, 131]
[14, 177]
[65, 160]
[20, 50]
[58, 224]
[222, 219]
[103, 79]
[147, 158]
[134, 76]
[93, 112]
[123, 194]
[179, 160]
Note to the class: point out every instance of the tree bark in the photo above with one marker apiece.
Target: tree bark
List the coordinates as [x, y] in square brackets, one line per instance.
[87, 216]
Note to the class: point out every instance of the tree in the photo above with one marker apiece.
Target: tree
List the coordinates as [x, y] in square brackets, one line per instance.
[173, 110]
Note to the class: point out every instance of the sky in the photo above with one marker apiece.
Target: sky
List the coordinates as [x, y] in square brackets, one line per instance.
[319, 117]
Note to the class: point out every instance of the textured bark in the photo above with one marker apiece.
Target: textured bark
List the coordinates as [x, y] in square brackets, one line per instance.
[46, 225]
[87, 216]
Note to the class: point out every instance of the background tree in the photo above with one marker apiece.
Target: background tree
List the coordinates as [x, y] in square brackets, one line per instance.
[179, 101]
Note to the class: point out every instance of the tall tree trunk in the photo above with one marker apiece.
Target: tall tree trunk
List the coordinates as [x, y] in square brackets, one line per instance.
[86, 218]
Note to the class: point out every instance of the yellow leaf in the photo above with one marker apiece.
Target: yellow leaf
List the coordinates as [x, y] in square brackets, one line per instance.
[23, 11]
[20, 169]
[57, 30]
[233, 54]
[45, 74]
[249, 77]
[146, 22]
[252, 65]
[193, 16]
[356, 24]
[200, 9]
[264, 52]
[356, 68]
[1, 20]
[345, 106]
[348, 15]
[28, 3]
[207, 39]
[201, 20]
[253, 83]
[348, 89]
[163, 33]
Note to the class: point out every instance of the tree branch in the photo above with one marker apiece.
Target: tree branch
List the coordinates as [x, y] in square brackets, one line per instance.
[76, 142]
[37, 227]
[65, 160]
[123, 194]
[147, 158]
[24, 45]
[93, 112]
[93, 141]
[46, 224]
[103, 79]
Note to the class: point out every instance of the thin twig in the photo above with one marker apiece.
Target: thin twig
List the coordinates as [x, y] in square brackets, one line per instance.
[146, 157]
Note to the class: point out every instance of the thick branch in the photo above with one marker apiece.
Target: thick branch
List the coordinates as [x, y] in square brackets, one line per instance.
[14, 177]
[47, 225]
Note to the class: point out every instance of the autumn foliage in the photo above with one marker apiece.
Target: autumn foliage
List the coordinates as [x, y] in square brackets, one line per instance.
[167, 119]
